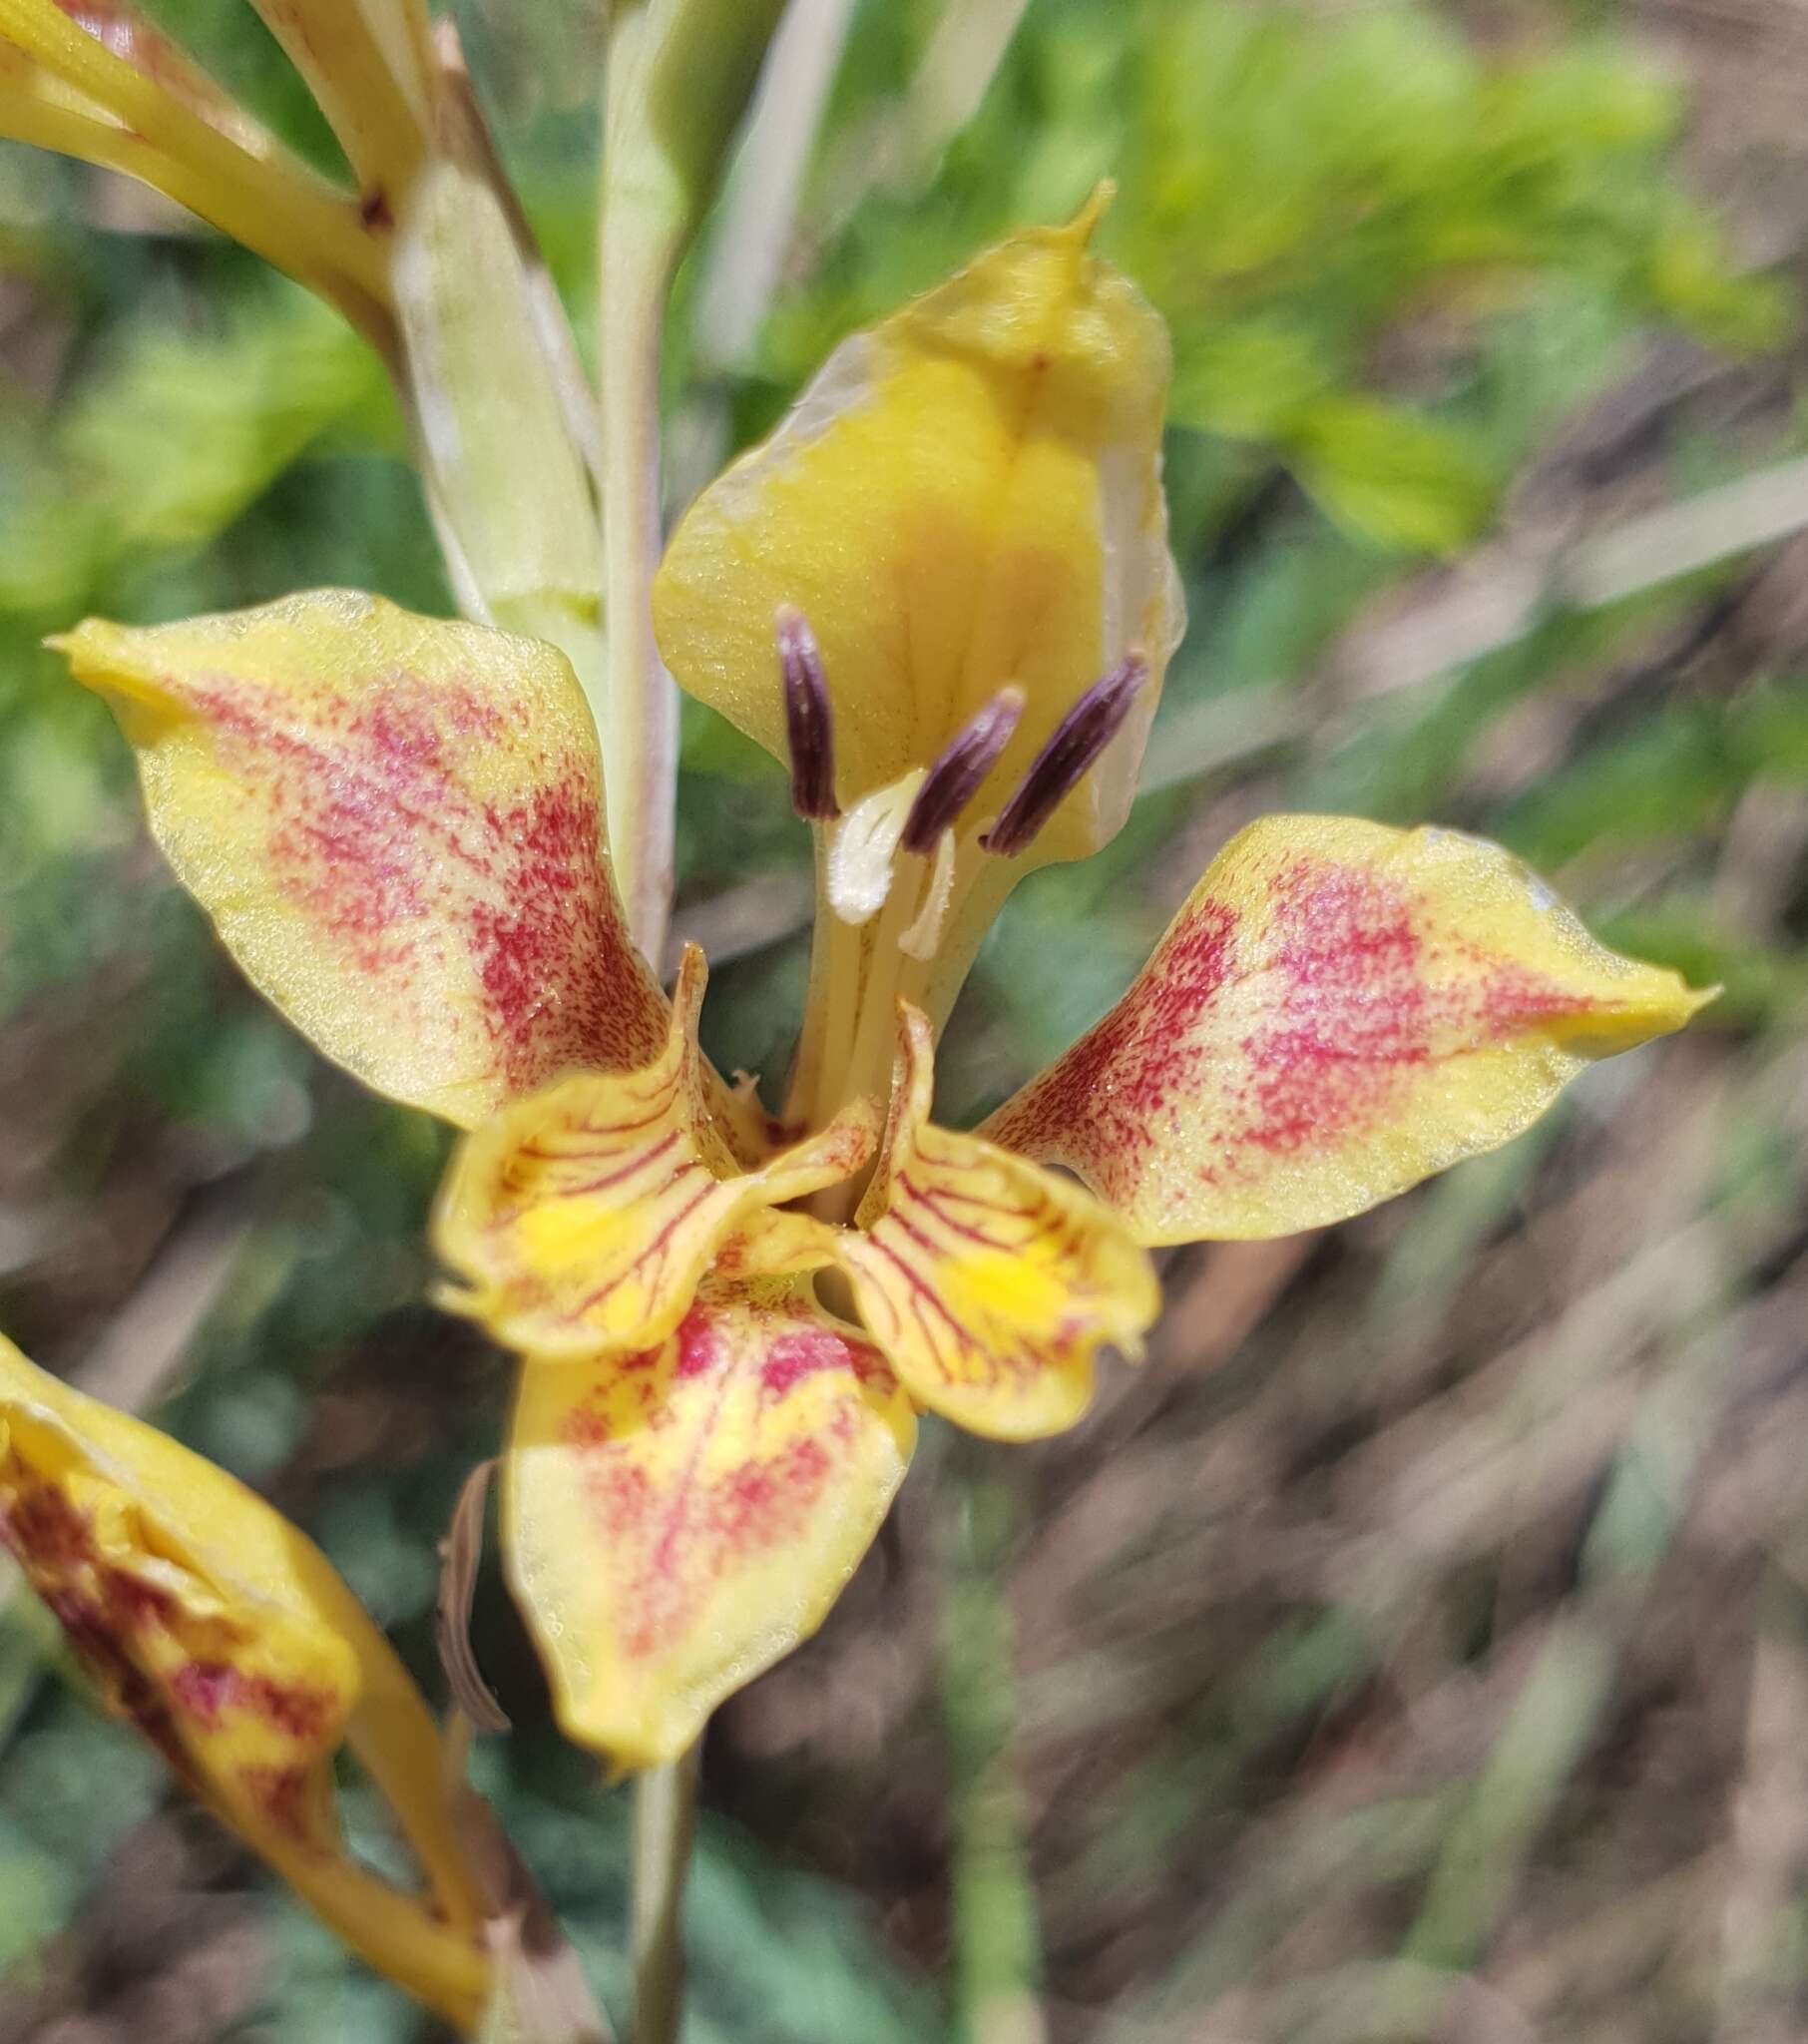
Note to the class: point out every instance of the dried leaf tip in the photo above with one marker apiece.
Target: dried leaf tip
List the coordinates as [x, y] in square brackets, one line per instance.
[810, 726]
[1072, 748]
[461, 1555]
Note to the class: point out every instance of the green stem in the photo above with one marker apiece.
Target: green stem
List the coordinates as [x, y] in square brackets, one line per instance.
[998, 1941]
[665, 1821]
[643, 225]
[640, 238]
[679, 73]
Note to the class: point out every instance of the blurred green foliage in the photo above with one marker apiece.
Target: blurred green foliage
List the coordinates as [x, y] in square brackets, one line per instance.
[1293, 184]
[1395, 264]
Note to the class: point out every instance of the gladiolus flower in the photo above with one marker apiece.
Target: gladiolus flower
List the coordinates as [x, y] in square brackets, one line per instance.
[941, 595]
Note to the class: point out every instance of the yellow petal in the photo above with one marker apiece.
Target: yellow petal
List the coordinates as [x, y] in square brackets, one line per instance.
[969, 495]
[989, 1283]
[583, 1217]
[1339, 1010]
[221, 1634]
[677, 1520]
[99, 82]
[394, 824]
[128, 43]
[774, 1243]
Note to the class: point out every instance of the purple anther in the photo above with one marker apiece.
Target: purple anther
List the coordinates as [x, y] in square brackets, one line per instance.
[1077, 742]
[964, 763]
[808, 727]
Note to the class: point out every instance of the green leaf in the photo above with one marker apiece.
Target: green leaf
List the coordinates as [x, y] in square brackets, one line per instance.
[1250, 381]
[1390, 477]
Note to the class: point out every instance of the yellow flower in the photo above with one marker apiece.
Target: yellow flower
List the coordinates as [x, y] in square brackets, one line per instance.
[223, 1637]
[941, 592]
[965, 505]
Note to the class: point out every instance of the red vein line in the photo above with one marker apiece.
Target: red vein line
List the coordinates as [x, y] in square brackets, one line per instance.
[661, 1245]
[672, 1525]
[926, 1293]
[965, 1229]
[639, 1162]
[966, 1199]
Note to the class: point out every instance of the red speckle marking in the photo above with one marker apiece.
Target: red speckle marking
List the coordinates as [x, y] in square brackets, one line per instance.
[42, 1529]
[556, 964]
[372, 830]
[1357, 997]
[280, 1796]
[207, 1688]
[1363, 1006]
[674, 1543]
[762, 1502]
[698, 1351]
[120, 1626]
[1139, 1061]
[100, 1607]
[124, 1684]
[794, 1358]
[1353, 1012]
[53, 1542]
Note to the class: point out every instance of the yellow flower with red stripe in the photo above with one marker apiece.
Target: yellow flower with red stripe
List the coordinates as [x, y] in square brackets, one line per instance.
[223, 1636]
[941, 596]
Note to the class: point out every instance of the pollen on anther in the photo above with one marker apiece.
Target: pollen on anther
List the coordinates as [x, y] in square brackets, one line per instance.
[1072, 748]
[808, 723]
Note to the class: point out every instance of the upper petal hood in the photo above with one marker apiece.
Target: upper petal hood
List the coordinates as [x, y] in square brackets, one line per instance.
[966, 496]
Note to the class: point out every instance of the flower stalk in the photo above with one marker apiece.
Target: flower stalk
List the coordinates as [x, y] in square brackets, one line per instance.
[677, 80]
[678, 77]
[665, 1826]
[998, 1940]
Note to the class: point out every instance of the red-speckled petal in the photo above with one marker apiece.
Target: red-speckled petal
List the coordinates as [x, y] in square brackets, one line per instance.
[394, 823]
[582, 1219]
[223, 1637]
[989, 1283]
[1339, 1010]
[676, 1520]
